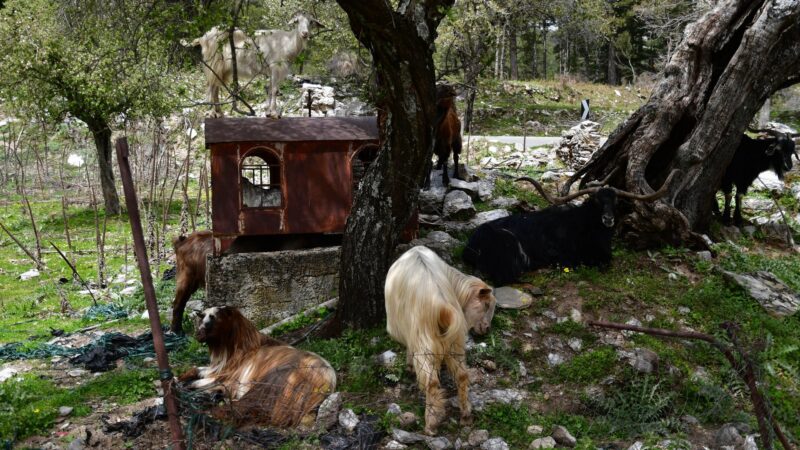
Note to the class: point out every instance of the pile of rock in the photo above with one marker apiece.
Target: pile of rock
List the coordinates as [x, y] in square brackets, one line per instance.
[579, 143]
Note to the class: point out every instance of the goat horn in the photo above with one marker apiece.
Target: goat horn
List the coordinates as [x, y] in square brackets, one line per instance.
[604, 181]
[647, 197]
[558, 200]
[592, 190]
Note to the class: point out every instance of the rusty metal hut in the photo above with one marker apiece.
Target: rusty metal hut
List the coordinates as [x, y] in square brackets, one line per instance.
[285, 178]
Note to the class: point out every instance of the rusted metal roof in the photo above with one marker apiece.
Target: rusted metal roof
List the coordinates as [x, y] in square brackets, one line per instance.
[290, 129]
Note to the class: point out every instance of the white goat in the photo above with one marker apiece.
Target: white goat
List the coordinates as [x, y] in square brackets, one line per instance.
[269, 53]
[430, 306]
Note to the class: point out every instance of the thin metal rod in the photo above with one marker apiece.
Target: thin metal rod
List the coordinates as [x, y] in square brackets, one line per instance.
[165, 374]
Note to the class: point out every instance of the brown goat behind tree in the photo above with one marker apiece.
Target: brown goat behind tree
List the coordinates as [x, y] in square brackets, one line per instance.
[448, 132]
[190, 264]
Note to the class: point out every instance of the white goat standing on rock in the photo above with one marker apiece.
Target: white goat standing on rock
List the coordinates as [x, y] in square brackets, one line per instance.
[269, 53]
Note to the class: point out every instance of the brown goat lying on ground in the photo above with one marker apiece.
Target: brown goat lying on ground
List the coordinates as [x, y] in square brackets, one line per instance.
[430, 306]
[268, 382]
[190, 267]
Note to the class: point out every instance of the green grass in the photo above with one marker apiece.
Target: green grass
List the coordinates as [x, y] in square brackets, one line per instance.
[589, 366]
[352, 356]
[30, 403]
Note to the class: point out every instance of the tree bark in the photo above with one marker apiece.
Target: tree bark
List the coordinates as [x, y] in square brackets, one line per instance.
[544, 49]
[729, 62]
[611, 76]
[401, 43]
[512, 53]
[533, 53]
[102, 142]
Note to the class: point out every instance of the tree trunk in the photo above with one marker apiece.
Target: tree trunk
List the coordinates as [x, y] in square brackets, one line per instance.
[544, 49]
[729, 62]
[512, 53]
[401, 42]
[763, 113]
[611, 76]
[533, 53]
[102, 142]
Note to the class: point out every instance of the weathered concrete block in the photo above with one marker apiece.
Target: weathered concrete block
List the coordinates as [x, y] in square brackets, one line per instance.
[270, 286]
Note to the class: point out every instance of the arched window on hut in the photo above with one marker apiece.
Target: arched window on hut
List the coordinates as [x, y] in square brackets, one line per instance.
[261, 180]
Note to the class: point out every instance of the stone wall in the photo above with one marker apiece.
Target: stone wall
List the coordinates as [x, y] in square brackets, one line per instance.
[271, 286]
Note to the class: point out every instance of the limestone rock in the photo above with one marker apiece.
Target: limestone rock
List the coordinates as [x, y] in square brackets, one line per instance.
[405, 437]
[563, 437]
[495, 444]
[458, 206]
[545, 442]
[478, 437]
[510, 298]
[328, 412]
[775, 297]
[348, 420]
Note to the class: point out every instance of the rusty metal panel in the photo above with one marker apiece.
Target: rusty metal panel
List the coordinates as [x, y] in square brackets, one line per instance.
[318, 180]
[290, 129]
[224, 188]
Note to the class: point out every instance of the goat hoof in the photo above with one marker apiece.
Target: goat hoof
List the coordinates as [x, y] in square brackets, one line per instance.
[466, 421]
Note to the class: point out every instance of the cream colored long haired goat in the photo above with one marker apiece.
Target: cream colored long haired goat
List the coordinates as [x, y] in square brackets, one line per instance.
[430, 306]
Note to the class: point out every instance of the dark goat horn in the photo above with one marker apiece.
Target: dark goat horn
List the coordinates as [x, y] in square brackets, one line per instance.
[625, 194]
[647, 197]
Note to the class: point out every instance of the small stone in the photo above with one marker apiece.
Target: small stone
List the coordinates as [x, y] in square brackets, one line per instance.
[329, 411]
[64, 411]
[394, 445]
[394, 409]
[458, 206]
[535, 429]
[750, 442]
[575, 344]
[145, 315]
[407, 419]
[563, 437]
[405, 437]
[478, 437]
[576, 315]
[77, 444]
[77, 372]
[510, 298]
[634, 322]
[489, 365]
[645, 360]
[387, 358]
[495, 444]
[554, 359]
[523, 371]
[705, 255]
[636, 445]
[536, 291]
[439, 443]
[690, 420]
[348, 420]
[728, 435]
[458, 445]
[545, 442]
[683, 310]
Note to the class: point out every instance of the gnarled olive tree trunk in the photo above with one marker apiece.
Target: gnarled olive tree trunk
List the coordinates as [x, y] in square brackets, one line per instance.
[401, 43]
[730, 61]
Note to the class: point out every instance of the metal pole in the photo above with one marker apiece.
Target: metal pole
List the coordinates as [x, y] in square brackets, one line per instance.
[165, 374]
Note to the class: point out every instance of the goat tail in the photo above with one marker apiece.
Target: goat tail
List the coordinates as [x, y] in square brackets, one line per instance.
[451, 323]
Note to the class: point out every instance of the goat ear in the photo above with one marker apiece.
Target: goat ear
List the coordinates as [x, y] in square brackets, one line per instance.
[317, 23]
[485, 292]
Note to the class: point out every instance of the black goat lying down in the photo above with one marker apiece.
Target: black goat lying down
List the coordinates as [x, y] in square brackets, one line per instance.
[752, 157]
[564, 235]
